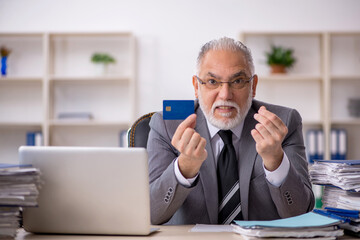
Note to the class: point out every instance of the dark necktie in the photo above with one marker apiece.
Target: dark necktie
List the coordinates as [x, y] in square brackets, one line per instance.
[228, 181]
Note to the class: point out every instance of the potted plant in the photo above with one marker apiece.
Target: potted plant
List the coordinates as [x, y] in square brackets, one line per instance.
[103, 60]
[280, 58]
[4, 53]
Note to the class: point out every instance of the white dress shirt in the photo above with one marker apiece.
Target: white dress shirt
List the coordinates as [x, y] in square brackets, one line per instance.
[275, 177]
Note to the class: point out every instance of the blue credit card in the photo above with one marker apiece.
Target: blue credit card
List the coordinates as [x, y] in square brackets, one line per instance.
[177, 109]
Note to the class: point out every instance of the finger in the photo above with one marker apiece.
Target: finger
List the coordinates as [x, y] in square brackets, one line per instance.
[278, 123]
[256, 136]
[185, 138]
[201, 145]
[194, 141]
[189, 122]
[263, 131]
[200, 148]
[266, 123]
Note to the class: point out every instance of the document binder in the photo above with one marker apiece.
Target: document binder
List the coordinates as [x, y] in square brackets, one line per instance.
[34, 139]
[338, 144]
[315, 145]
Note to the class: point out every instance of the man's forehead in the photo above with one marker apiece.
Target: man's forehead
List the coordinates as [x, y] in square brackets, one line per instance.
[219, 62]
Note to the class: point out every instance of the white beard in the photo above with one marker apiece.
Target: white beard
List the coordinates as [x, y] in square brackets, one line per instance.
[230, 122]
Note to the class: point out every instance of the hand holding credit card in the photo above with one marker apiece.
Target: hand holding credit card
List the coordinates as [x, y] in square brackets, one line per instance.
[177, 109]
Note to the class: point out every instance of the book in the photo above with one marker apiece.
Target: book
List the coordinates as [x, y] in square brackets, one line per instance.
[75, 116]
[34, 139]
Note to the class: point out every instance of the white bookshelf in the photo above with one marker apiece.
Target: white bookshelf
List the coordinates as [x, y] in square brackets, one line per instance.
[51, 73]
[325, 76]
[344, 81]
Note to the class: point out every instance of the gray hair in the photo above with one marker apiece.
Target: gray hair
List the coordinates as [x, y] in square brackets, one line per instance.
[226, 43]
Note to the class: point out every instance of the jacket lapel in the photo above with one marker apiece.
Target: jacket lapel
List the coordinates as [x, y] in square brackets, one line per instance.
[208, 177]
[247, 155]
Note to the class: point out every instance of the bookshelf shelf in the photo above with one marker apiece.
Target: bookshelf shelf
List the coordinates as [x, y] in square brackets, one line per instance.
[294, 77]
[313, 123]
[52, 73]
[85, 123]
[20, 79]
[348, 122]
[20, 125]
[345, 77]
[90, 79]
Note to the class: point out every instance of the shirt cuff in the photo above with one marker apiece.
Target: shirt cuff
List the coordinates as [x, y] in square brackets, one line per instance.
[187, 182]
[277, 177]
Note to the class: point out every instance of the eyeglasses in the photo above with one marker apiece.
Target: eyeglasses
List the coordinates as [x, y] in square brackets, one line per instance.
[236, 84]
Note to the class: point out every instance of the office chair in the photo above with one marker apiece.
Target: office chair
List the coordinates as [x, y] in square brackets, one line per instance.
[139, 131]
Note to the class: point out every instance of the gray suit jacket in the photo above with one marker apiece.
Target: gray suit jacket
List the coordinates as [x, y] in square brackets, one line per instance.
[173, 203]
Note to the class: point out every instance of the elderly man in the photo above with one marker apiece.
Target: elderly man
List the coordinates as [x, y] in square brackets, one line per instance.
[235, 158]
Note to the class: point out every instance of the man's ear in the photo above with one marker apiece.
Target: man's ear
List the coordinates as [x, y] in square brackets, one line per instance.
[254, 85]
[196, 86]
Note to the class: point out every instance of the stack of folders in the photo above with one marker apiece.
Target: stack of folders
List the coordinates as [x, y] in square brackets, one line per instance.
[303, 226]
[18, 188]
[350, 218]
[342, 190]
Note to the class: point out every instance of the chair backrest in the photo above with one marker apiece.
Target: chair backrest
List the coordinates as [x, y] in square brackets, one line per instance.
[139, 131]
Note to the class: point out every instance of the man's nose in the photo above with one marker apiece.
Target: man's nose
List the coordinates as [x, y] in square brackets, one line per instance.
[225, 91]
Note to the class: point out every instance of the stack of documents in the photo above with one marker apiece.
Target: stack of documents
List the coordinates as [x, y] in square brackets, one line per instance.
[344, 174]
[338, 198]
[341, 198]
[9, 221]
[303, 226]
[350, 218]
[18, 188]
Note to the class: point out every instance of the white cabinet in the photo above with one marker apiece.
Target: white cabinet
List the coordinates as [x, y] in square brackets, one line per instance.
[51, 74]
[325, 75]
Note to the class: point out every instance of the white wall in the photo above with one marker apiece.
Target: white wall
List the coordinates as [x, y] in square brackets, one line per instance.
[170, 33]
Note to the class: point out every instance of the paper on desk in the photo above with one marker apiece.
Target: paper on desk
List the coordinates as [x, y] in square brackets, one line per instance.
[211, 228]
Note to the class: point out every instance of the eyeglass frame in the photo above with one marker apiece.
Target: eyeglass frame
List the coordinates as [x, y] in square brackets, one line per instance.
[220, 83]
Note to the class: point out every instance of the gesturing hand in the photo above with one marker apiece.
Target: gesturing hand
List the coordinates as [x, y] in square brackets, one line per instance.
[269, 134]
[191, 147]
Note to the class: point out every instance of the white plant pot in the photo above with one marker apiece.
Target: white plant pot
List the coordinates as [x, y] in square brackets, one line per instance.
[101, 69]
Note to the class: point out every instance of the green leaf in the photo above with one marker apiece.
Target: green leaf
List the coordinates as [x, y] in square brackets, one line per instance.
[280, 56]
[102, 58]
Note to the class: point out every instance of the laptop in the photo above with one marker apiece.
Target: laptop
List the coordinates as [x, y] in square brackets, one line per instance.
[89, 190]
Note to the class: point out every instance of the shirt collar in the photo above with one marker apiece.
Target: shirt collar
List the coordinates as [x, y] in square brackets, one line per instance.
[236, 130]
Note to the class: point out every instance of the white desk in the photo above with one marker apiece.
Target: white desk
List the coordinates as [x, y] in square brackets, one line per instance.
[165, 233]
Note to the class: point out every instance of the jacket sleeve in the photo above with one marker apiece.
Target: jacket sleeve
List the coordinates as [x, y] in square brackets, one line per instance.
[294, 196]
[166, 194]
